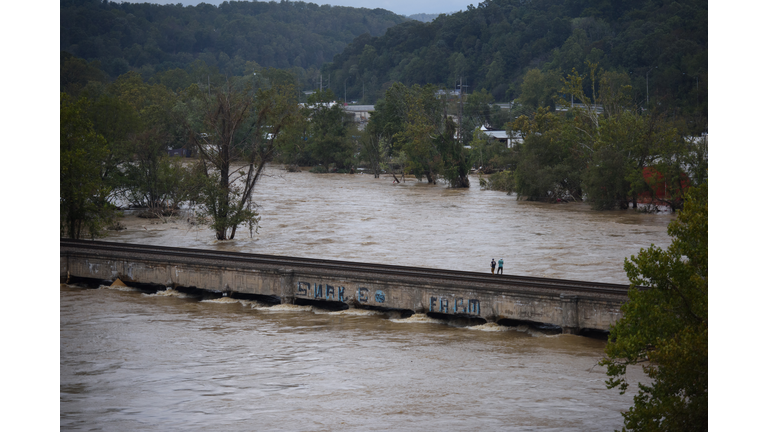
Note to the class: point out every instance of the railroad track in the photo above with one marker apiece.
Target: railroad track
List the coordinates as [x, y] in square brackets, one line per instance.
[331, 265]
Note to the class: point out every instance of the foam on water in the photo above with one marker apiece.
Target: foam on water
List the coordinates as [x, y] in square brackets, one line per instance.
[283, 308]
[227, 300]
[490, 327]
[169, 292]
[351, 312]
[418, 319]
[118, 288]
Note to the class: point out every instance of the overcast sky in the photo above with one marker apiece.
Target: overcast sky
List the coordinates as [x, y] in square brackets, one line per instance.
[402, 7]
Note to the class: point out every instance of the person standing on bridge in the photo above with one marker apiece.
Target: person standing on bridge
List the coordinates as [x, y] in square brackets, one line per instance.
[493, 266]
[501, 266]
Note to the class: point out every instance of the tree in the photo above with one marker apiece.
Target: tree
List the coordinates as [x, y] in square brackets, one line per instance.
[550, 160]
[328, 142]
[664, 327]
[418, 143]
[540, 89]
[619, 143]
[236, 130]
[373, 150]
[83, 206]
[476, 113]
[152, 179]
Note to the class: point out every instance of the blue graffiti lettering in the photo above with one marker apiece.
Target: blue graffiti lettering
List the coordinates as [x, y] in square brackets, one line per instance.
[380, 297]
[474, 306]
[443, 305]
[362, 294]
[318, 290]
[341, 293]
[302, 289]
[328, 292]
[458, 305]
[432, 301]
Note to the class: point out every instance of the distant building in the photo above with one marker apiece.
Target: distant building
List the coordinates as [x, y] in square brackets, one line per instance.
[501, 136]
[442, 92]
[362, 114]
[314, 105]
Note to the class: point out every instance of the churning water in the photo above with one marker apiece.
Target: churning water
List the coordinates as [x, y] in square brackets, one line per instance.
[168, 361]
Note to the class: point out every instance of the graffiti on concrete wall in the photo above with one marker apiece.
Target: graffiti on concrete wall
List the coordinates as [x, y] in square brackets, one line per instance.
[459, 306]
[336, 293]
[447, 305]
[364, 295]
[320, 291]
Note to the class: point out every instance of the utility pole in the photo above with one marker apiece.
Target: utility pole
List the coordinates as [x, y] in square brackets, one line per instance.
[646, 85]
[461, 105]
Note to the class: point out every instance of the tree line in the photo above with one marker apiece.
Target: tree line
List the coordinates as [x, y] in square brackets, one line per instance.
[660, 44]
[605, 151]
[150, 38]
[116, 136]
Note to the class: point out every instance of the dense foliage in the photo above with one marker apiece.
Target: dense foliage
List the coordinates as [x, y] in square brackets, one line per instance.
[139, 80]
[665, 327]
[660, 44]
[420, 135]
[605, 151]
[83, 205]
[152, 38]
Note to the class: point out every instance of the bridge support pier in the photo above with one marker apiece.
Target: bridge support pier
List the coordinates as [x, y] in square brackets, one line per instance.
[287, 286]
[570, 306]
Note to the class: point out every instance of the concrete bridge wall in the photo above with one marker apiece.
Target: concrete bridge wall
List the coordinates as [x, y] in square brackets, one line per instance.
[492, 298]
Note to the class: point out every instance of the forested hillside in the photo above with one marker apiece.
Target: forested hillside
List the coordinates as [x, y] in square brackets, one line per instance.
[153, 38]
[661, 44]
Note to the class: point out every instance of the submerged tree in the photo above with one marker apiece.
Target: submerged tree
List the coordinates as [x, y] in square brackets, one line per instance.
[83, 205]
[236, 129]
[665, 327]
[373, 150]
[421, 134]
[328, 141]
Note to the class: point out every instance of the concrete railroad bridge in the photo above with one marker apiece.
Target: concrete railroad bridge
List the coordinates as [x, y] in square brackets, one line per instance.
[574, 306]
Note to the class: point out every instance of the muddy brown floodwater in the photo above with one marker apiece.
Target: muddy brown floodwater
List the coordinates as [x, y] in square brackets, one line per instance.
[131, 360]
[359, 218]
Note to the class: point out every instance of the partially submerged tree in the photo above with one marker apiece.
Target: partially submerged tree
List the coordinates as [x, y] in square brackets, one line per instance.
[665, 327]
[83, 205]
[373, 150]
[328, 141]
[550, 162]
[236, 129]
[421, 134]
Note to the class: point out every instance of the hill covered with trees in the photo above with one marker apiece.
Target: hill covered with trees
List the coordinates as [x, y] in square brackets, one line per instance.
[153, 38]
[660, 44]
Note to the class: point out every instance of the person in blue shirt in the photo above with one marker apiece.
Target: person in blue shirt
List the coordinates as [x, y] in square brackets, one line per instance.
[501, 266]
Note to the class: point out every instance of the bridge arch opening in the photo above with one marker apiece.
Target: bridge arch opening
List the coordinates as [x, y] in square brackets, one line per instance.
[460, 320]
[538, 326]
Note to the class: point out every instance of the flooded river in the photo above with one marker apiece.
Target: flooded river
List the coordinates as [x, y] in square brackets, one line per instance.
[359, 218]
[132, 361]
[165, 361]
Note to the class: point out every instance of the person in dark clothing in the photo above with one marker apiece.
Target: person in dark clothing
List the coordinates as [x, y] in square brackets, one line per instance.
[493, 266]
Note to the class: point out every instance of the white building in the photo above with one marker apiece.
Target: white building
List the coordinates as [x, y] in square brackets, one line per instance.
[362, 114]
[501, 136]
